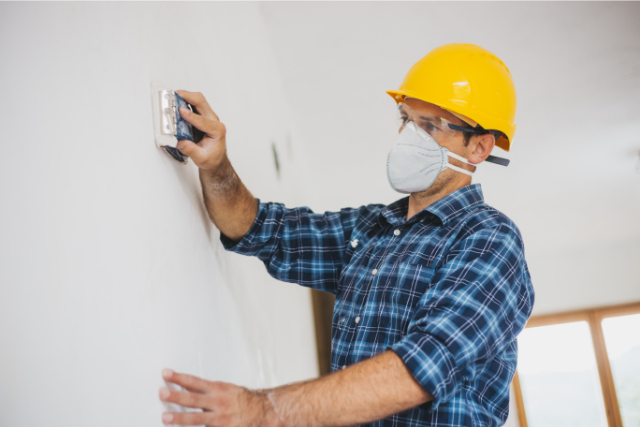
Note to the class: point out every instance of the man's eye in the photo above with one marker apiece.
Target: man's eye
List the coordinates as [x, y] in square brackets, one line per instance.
[429, 126]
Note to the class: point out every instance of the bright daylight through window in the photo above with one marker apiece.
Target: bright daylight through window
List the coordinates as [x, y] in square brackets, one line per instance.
[559, 377]
[622, 337]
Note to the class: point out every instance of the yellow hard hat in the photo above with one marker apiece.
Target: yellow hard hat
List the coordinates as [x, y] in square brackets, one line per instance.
[470, 82]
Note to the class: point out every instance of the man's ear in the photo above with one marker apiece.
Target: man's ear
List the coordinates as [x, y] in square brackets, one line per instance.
[480, 147]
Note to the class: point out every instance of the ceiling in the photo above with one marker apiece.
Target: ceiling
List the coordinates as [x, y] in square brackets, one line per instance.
[573, 186]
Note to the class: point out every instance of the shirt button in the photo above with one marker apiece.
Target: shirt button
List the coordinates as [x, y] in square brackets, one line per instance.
[375, 271]
[354, 243]
[344, 366]
[396, 232]
[358, 319]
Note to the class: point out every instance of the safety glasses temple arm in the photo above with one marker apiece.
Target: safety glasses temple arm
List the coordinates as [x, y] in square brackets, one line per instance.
[497, 160]
[477, 130]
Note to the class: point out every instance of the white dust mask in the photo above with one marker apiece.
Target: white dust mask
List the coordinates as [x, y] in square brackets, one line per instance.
[416, 160]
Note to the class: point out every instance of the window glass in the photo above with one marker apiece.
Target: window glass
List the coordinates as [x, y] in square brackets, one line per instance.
[622, 337]
[559, 377]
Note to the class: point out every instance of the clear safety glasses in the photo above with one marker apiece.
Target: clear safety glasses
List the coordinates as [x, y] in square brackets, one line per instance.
[437, 127]
[440, 128]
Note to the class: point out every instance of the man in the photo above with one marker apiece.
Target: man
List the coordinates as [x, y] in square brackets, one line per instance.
[431, 291]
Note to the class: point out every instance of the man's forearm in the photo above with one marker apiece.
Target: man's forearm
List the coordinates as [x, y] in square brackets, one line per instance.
[230, 205]
[365, 392]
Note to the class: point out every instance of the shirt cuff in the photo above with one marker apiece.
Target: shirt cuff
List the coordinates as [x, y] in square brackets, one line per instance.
[246, 245]
[431, 364]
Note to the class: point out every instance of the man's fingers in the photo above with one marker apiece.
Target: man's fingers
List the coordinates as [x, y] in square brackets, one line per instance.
[195, 152]
[184, 398]
[198, 100]
[189, 382]
[186, 418]
[211, 127]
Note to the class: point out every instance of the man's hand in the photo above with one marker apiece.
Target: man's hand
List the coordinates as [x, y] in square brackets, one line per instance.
[209, 153]
[363, 393]
[223, 404]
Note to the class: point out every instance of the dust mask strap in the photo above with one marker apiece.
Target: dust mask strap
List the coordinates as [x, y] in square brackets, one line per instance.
[463, 160]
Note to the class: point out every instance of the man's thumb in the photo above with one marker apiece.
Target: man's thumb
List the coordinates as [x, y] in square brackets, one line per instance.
[186, 147]
[192, 150]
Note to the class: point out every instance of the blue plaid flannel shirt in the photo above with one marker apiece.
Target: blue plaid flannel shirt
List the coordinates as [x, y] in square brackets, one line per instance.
[448, 291]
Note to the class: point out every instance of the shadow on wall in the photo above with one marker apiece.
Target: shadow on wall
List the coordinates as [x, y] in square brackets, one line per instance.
[192, 191]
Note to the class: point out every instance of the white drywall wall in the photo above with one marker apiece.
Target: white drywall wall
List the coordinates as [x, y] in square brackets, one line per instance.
[109, 267]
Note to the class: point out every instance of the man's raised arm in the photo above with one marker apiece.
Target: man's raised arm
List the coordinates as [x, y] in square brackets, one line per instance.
[230, 205]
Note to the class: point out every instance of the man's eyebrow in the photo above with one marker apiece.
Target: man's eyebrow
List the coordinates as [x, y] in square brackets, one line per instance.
[431, 118]
[438, 120]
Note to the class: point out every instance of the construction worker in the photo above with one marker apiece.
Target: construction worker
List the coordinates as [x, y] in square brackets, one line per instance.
[431, 291]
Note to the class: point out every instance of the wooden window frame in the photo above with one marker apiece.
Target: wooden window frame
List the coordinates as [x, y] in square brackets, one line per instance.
[594, 318]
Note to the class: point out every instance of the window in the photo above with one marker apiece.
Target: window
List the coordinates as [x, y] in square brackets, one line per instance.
[580, 369]
[559, 377]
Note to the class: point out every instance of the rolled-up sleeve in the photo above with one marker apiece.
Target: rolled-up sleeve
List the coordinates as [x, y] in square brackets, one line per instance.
[297, 245]
[476, 304]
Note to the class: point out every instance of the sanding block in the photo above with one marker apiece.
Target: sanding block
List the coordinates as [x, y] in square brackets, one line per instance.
[168, 124]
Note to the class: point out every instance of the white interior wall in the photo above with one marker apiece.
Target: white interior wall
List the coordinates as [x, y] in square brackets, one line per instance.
[109, 267]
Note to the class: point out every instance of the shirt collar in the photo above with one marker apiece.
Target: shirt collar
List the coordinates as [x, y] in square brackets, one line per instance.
[444, 209]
